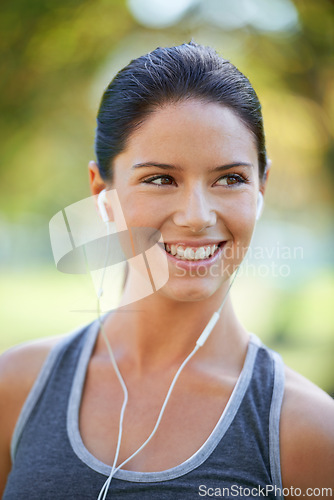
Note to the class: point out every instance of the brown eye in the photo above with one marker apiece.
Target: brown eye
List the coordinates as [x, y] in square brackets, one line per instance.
[160, 180]
[165, 180]
[230, 180]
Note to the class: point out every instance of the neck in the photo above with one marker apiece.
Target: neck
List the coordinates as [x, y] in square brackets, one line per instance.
[158, 332]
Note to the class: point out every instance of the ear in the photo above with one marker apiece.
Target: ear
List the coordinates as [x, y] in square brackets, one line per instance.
[95, 180]
[97, 185]
[263, 183]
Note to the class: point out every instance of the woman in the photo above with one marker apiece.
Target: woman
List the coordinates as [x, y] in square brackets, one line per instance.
[180, 138]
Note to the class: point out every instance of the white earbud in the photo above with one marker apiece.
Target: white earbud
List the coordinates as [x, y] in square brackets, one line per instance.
[101, 202]
[259, 206]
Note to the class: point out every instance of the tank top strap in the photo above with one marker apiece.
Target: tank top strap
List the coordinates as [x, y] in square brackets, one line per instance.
[277, 393]
[42, 379]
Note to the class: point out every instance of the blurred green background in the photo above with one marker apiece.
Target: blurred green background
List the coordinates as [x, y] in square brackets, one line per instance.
[56, 59]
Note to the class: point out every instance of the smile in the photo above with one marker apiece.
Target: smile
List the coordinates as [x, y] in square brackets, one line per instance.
[182, 252]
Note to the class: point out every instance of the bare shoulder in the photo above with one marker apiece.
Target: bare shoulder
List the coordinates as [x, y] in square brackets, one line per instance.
[19, 368]
[21, 364]
[307, 435]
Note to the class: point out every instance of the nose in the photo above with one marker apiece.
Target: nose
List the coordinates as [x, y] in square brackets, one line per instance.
[194, 211]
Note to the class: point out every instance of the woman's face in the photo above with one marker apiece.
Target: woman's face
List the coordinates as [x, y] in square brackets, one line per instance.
[191, 171]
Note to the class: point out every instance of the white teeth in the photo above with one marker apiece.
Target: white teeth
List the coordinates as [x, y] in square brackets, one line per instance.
[189, 253]
[180, 251]
[200, 253]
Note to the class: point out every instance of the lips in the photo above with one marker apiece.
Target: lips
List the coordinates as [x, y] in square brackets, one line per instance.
[192, 253]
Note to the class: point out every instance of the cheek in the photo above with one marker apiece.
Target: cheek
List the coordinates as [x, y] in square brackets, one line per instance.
[141, 210]
[240, 223]
[144, 217]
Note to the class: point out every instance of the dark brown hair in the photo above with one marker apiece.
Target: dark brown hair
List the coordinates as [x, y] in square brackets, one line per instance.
[169, 75]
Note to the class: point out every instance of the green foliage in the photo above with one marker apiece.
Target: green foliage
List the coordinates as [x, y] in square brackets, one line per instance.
[53, 52]
[56, 57]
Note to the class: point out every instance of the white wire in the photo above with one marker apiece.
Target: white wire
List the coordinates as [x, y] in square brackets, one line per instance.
[229, 288]
[121, 418]
[104, 490]
[171, 387]
[105, 487]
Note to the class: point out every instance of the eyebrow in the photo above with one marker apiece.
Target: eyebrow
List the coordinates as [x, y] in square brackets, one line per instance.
[166, 166]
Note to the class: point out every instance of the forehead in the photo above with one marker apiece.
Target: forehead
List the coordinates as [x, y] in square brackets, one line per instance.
[193, 132]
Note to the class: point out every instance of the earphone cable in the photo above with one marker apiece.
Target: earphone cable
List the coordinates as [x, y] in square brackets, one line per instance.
[104, 490]
[105, 487]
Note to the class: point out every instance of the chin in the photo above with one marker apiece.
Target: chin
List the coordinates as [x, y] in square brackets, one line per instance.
[190, 292]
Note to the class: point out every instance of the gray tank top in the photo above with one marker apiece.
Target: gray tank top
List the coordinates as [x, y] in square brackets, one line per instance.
[240, 458]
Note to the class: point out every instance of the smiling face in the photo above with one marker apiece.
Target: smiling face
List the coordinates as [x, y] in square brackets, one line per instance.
[191, 171]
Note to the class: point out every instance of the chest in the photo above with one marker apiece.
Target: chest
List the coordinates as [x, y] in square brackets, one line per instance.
[237, 452]
[191, 414]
